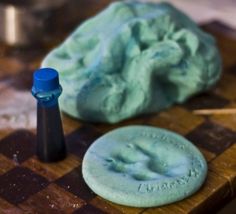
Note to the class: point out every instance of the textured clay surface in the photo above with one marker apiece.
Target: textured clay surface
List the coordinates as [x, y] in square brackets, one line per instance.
[143, 166]
[133, 58]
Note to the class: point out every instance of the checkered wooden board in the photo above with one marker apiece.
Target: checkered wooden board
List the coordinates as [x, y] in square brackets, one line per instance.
[29, 186]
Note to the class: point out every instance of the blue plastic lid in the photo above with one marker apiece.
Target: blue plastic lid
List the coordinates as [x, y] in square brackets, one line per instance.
[46, 79]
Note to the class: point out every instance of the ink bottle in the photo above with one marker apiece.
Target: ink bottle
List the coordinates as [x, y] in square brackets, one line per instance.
[50, 145]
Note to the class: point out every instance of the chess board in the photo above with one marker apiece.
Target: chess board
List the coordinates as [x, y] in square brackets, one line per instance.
[29, 186]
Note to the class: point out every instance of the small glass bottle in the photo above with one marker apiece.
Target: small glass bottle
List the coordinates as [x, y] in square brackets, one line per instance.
[50, 137]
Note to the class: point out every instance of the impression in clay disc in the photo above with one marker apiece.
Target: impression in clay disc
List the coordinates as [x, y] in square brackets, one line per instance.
[143, 166]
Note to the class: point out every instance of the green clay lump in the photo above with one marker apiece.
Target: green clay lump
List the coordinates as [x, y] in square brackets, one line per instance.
[133, 58]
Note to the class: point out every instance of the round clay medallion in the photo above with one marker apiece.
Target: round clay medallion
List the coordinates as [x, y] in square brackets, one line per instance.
[143, 166]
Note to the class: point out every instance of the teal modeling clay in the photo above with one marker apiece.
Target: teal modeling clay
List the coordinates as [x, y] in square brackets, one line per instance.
[133, 58]
[143, 166]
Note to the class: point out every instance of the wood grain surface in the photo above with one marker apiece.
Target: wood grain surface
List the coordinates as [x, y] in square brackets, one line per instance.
[29, 186]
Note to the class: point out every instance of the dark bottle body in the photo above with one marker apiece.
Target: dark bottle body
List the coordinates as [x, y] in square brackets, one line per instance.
[50, 137]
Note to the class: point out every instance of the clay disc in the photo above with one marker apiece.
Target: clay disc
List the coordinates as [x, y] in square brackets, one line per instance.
[143, 166]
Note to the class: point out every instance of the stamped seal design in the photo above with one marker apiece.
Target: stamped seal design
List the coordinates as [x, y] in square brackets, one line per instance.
[143, 166]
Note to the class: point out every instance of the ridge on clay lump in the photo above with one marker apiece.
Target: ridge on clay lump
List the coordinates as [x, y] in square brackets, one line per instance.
[133, 58]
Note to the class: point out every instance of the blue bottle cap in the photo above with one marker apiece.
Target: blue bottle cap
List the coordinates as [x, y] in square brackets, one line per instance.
[46, 79]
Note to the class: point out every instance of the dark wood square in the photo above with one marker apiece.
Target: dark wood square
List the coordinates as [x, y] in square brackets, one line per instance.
[20, 183]
[18, 146]
[79, 141]
[53, 199]
[74, 182]
[232, 69]
[206, 101]
[89, 209]
[212, 136]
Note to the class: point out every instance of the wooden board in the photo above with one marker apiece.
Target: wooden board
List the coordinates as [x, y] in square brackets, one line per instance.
[29, 186]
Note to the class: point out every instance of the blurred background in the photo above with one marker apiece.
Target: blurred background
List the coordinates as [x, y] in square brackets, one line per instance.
[27, 22]
[30, 28]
